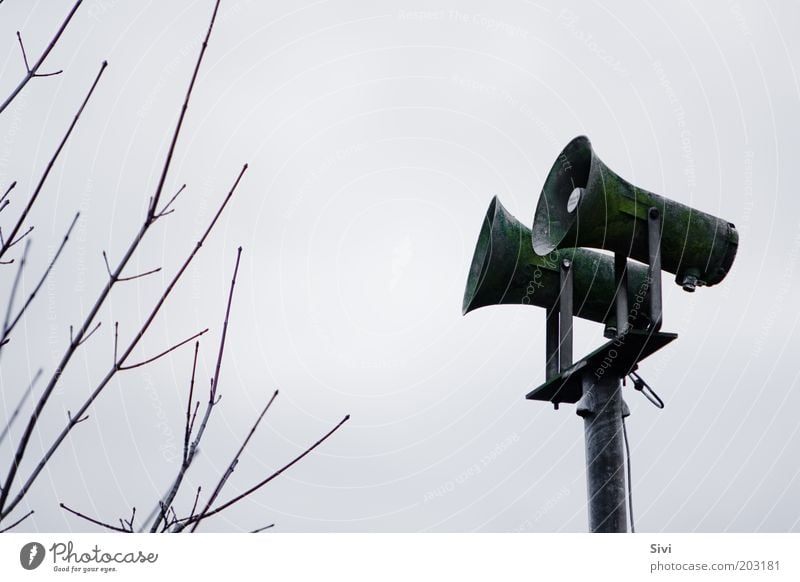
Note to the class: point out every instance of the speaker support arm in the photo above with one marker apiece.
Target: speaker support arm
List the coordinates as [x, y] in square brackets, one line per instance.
[621, 277]
[654, 272]
[565, 316]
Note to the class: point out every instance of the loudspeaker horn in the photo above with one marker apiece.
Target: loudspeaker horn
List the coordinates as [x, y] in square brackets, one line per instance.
[505, 270]
[585, 204]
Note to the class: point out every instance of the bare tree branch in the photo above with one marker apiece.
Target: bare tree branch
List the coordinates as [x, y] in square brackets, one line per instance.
[11, 243]
[187, 433]
[121, 279]
[129, 522]
[50, 164]
[235, 461]
[164, 353]
[212, 401]
[259, 530]
[94, 521]
[7, 192]
[162, 180]
[164, 211]
[78, 419]
[20, 404]
[66, 358]
[5, 505]
[19, 521]
[7, 328]
[87, 336]
[28, 67]
[17, 278]
[202, 516]
[32, 71]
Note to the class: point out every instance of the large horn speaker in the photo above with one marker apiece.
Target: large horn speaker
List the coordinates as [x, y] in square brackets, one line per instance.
[505, 270]
[585, 204]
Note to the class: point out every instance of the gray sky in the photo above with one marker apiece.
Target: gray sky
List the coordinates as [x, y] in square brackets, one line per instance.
[376, 137]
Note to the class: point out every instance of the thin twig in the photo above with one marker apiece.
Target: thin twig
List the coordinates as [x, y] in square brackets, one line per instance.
[8, 328]
[11, 243]
[27, 66]
[19, 521]
[94, 521]
[162, 180]
[140, 275]
[14, 286]
[24, 56]
[196, 499]
[116, 341]
[235, 461]
[108, 267]
[165, 352]
[129, 522]
[187, 433]
[259, 530]
[8, 191]
[19, 406]
[88, 335]
[51, 163]
[258, 486]
[32, 71]
[164, 211]
[122, 279]
[215, 381]
[76, 420]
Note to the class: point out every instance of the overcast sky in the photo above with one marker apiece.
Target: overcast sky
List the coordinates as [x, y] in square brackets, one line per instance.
[376, 137]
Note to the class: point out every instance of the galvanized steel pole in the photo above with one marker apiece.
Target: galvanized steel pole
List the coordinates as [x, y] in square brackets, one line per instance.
[602, 409]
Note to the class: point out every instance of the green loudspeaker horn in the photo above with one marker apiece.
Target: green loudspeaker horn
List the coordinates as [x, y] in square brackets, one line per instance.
[505, 270]
[585, 204]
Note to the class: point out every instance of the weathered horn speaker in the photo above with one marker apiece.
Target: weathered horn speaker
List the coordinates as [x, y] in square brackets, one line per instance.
[505, 270]
[585, 204]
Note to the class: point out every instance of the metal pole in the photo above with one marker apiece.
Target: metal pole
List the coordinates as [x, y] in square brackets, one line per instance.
[602, 409]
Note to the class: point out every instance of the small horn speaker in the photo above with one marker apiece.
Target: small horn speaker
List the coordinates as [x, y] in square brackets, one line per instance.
[506, 270]
[585, 204]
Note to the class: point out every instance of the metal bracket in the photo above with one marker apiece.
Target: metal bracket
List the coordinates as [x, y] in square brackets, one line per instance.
[558, 335]
[654, 270]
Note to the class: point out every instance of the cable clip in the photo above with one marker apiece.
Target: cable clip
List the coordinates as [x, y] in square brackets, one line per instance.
[643, 387]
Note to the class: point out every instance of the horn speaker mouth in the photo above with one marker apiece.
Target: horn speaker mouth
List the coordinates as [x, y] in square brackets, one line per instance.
[480, 258]
[559, 204]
